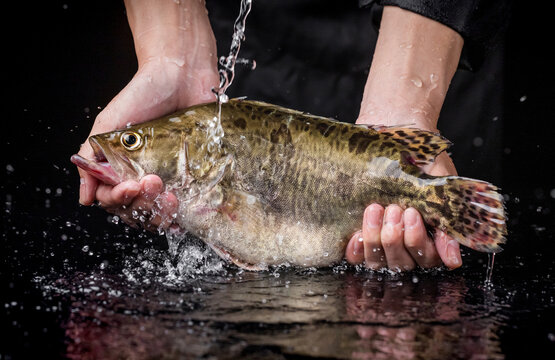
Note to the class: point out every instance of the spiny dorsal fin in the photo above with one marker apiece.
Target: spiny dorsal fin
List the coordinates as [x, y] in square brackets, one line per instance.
[421, 146]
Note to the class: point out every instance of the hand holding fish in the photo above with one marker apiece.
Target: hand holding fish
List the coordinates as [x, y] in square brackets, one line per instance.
[398, 239]
[407, 93]
[169, 77]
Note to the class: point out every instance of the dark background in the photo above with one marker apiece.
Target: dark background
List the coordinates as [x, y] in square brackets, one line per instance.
[67, 59]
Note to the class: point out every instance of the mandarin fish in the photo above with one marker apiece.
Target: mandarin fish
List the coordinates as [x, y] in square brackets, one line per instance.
[286, 187]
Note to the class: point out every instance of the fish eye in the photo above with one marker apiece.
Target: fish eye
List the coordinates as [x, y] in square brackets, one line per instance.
[131, 140]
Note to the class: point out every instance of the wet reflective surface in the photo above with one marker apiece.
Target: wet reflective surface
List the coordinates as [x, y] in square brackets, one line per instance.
[80, 286]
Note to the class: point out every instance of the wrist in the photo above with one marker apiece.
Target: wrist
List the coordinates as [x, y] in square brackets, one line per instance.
[178, 33]
[414, 62]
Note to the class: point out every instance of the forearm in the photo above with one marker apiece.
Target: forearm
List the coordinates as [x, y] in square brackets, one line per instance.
[177, 32]
[413, 64]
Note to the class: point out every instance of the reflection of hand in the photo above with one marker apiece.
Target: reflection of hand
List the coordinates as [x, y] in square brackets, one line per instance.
[398, 239]
[177, 68]
[403, 319]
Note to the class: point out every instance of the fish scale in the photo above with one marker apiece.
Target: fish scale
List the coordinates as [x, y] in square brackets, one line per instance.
[286, 187]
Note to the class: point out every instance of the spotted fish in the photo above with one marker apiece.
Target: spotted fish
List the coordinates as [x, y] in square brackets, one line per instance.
[286, 187]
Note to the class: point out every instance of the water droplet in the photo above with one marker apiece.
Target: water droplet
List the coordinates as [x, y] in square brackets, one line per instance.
[478, 141]
[223, 98]
[417, 82]
[523, 98]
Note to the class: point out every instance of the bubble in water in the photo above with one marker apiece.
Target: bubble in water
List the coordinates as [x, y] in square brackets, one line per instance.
[9, 168]
[85, 248]
[478, 141]
[552, 193]
[523, 98]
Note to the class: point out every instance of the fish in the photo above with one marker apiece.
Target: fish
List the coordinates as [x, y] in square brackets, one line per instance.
[264, 185]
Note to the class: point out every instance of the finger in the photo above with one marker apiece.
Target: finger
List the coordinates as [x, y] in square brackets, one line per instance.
[87, 188]
[164, 211]
[151, 213]
[448, 249]
[111, 197]
[151, 186]
[136, 194]
[417, 242]
[442, 166]
[151, 208]
[392, 236]
[374, 255]
[354, 253]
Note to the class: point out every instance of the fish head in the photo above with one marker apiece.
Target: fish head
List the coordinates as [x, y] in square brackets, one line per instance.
[177, 148]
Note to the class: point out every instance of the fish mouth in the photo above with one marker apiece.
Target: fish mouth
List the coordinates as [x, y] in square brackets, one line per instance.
[106, 166]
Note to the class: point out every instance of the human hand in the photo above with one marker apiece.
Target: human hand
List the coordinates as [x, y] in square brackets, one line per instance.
[412, 66]
[397, 238]
[177, 69]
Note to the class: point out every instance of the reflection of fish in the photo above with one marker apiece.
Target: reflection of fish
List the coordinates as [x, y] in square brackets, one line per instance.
[288, 187]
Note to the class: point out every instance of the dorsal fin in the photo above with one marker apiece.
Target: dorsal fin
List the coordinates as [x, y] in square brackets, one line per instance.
[421, 146]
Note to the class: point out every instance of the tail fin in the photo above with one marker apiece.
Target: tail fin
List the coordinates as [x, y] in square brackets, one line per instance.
[478, 219]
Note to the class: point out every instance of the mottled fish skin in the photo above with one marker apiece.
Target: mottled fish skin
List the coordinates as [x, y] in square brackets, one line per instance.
[290, 187]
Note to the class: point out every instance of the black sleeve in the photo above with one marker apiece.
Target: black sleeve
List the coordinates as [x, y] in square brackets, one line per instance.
[481, 23]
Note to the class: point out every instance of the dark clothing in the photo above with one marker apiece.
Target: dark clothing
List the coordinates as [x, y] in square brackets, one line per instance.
[314, 56]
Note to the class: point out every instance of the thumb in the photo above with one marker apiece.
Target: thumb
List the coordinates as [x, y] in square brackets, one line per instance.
[87, 188]
[448, 250]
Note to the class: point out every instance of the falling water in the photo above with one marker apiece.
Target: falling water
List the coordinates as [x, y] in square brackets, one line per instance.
[227, 74]
[489, 271]
[189, 258]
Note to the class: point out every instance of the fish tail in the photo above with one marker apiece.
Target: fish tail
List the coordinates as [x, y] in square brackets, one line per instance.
[478, 214]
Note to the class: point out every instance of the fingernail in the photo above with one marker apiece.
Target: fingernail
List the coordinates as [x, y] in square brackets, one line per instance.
[392, 216]
[374, 218]
[453, 253]
[411, 218]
